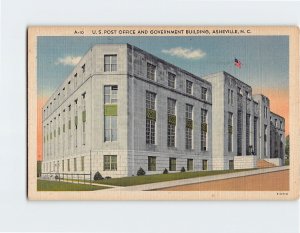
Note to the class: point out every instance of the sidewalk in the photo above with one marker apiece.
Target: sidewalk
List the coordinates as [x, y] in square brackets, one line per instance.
[161, 185]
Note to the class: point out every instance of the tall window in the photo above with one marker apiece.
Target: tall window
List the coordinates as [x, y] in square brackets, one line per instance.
[75, 80]
[230, 130]
[255, 135]
[150, 117]
[110, 128]
[265, 139]
[151, 163]
[171, 122]
[189, 126]
[63, 165]
[75, 164]
[76, 121]
[248, 149]
[69, 129]
[171, 80]
[203, 129]
[189, 87]
[83, 119]
[190, 164]
[110, 94]
[151, 69]
[230, 96]
[110, 63]
[110, 162]
[204, 164]
[203, 93]
[239, 131]
[68, 164]
[172, 164]
[82, 163]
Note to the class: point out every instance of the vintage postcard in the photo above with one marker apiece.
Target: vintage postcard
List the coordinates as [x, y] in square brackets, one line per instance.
[163, 113]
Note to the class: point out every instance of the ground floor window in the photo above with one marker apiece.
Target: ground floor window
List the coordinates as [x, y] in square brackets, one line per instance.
[231, 165]
[190, 164]
[172, 164]
[68, 164]
[110, 162]
[204, 164]
[151, 163]
[171, 135]
[75, 164]
[82, 163]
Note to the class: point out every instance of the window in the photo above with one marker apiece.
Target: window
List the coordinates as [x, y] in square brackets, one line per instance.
[281, 125]
[203, 93]
[189, 126]
[230, 96]
[110, 94]
[150, 100]
[230, 130]
[151, 163]
[75, 80]
[172, 164]
[63, 165]
[189, 87]
[171, 105]
[83, 116]
[75, 164]
[239, 131]
[150, 131]
[190, 165]
[110, 128]
[203, 129]
[171, 80]
[151, 69]
[265, 139]
[150, 117]
[276, 123]
[255, 135]
[248, 124]
[231, 164]
[68, 164]
[110, 163]
[83, 68]
[110, 63]
[82, 163]
[204, 164]
[76, 121]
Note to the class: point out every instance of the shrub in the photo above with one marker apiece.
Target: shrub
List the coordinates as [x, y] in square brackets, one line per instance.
[56, 177]
[182, 169]
[165, 171]
[98, 176]
[107, 177]
[141, 172]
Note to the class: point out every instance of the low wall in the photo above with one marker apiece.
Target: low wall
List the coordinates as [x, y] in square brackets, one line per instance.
[275, 161]
[245, 162]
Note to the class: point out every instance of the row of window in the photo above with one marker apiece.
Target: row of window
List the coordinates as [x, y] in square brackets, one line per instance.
[171, 130]
[172, 164]
[151, 74]
[110, 65]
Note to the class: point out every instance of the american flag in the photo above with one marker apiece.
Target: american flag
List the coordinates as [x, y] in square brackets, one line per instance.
[237, 63]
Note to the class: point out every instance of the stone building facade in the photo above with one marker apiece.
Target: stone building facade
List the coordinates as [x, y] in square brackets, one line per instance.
[122, 109]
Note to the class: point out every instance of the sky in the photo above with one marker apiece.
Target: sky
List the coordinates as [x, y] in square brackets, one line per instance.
[265, 62]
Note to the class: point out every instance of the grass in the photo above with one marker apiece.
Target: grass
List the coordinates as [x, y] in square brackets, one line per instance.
[147, 179]
[46, 185]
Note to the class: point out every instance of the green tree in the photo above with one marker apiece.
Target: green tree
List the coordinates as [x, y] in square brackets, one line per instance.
[287, 146]
[39, 168]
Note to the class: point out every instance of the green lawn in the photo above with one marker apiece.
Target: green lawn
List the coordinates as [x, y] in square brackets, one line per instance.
[46, 185]
[147, 179]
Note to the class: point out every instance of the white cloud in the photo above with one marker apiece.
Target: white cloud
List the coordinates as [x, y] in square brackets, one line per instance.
[68, 60]
[185, 53]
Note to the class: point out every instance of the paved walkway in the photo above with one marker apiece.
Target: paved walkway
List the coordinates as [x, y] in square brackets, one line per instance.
[197, 180]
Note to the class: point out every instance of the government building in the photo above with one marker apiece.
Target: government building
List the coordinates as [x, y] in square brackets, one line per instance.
[122, 109]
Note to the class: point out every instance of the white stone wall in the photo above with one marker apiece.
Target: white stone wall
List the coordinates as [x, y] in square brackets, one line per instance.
[245, 162]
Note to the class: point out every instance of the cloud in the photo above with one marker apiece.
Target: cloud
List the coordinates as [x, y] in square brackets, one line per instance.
[185, 53]
[68, 60]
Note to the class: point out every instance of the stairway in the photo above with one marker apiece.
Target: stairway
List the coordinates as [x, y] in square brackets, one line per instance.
[264, 164]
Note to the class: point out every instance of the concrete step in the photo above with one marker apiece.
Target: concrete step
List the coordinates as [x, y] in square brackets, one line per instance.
[264, 164]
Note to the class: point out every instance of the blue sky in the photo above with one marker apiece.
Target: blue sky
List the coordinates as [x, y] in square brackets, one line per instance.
[264, 58]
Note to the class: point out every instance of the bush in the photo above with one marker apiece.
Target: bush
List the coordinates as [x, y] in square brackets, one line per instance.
[141, 172]
[165, 171]
[107, 177]
[56, 177]
[98, 176]
[182, 169]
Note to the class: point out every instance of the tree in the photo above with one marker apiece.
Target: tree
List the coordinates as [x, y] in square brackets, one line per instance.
[287, 146]
[39, 168]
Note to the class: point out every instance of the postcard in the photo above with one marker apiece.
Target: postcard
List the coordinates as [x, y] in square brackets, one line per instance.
[163, 113]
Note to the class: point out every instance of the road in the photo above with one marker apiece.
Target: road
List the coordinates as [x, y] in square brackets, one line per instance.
[273, 181]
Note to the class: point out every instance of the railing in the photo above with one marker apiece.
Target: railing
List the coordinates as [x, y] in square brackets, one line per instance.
[71, 177]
